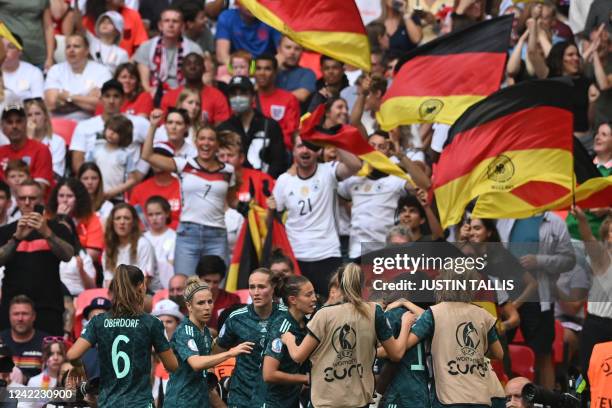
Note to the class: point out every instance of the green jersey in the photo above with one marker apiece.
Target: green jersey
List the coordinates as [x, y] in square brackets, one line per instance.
[245, 325]
[409, 388]
[188, 388]
[124, 351]
[284, 395]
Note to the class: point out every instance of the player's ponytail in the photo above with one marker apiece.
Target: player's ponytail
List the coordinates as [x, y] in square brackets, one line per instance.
[349, 280]
[127, 298]
[192, 286]
[290, 286]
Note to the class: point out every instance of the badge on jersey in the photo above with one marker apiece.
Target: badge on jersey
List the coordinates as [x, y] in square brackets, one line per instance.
[192, 345]
[277, 112]
[277, 345]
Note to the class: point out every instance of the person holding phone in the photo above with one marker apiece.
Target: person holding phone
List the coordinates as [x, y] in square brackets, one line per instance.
[402, 25]
[31, 250]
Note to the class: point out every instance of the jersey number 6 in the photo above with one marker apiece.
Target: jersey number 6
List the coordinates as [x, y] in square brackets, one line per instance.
[117, 355]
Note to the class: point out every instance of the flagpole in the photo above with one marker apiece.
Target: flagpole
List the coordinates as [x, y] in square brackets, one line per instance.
[573, 189]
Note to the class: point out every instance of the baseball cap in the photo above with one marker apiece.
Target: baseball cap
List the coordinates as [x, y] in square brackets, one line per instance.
[13, 107]
[241, 82]
[116, 19]
[166, 307]
[97, 303]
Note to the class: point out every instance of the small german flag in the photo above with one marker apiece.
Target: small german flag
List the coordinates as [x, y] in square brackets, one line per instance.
[350, 139]
[512, 151]
[438, 81]
[6, 33]
[333, 28]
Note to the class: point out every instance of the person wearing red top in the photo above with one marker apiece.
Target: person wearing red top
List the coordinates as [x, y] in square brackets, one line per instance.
[215, 108]
[163, 184]
[275, 103]
[134, 31]
[211, 270]
[230, 152]
[35, 154]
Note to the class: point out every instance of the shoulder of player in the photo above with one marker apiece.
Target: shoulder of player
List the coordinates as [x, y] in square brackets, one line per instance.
[239, 313]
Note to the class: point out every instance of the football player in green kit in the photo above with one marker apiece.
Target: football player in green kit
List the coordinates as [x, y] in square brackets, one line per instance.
[124, 336]
[251, 323]
[192, 345]
[283, 377]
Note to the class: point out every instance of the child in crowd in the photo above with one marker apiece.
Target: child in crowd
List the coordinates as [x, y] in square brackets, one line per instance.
[163, 238]
[104, 47]
[116, 162]
[16, 172]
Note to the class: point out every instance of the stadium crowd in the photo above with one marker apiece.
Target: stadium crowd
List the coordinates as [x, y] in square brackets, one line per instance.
[136, 136]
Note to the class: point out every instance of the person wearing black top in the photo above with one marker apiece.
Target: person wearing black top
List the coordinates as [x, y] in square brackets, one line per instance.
[262, 138]
[31, 250]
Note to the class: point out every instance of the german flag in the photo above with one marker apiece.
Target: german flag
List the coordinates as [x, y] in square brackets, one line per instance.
[333, 28]
[259, 236]
[350, 139]
[512, 151]
[440, 80]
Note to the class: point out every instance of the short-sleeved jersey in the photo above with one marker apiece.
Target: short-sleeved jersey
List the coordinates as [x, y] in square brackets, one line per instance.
[203, 192]
[245, 325]
[188, 388]
[310, 204]
[124, 350]
[284, 395]
[409, 387]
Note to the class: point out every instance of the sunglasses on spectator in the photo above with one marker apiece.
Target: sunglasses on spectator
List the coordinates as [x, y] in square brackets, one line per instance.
[53, 339]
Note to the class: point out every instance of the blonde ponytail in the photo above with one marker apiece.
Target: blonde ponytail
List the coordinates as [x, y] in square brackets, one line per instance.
[349, 280]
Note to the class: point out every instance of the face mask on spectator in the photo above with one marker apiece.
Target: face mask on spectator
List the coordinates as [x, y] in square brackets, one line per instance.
[240, 103]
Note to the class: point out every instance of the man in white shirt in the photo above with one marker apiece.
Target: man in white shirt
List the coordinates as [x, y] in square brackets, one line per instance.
[308, 194]
[89, 132]
[21, 78]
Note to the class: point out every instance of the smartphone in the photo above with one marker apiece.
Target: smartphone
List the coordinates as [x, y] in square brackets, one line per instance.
[39, 208]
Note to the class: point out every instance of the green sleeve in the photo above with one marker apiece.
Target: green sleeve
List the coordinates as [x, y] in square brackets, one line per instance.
[227, 337]
[424, 326]
[382, 325]
[492, 336]
[274, 346]
[184, 344]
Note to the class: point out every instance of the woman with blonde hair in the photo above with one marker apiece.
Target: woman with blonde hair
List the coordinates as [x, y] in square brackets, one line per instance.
[124, 337]
[341, 344]
[39, 128]
[192, 345]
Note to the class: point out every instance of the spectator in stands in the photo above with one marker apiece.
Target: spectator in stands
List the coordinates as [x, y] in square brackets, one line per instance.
[241, 63]
[369, 98]
[103, 46]
[5, 203]
[207, 186]
[291, 77]
[89, 134]
[163, 238]
[599, 69]
[31, 20]
[17, 172]
[274, 102]
[64, 17]
[89, 174]
[262, 138]
[332, 82]
[176, 289]
[34, 153]
[599, 14]
[158, 71]
[238, 29]
[124, 244]
[211, 270]
[72, 88]
[53, 356]
[137, 100]
[466, 13]
[514, 393]
[39, 128]
[402, 26]
[114, 158]
[418, 218]
[176, 132]
[308, 195]
[196, 24]
[24, 341]
[21, 78]
[281, 264]
[213, 103]
[164, 184]
[70, 198]
[191, 102]
[134, 32]
[30, 270]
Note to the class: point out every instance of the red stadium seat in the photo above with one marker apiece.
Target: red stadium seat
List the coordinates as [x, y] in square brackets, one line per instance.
[558, 347]
[160, 295]
[498, 368]
[518, 337]
[243, 294]
[81, 302]
[64, 128]
[522, 360]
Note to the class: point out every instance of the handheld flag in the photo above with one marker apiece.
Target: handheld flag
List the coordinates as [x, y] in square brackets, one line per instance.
[333, 28]
[6, 33]
[512, 151]
[438, 81]
[349, 138]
